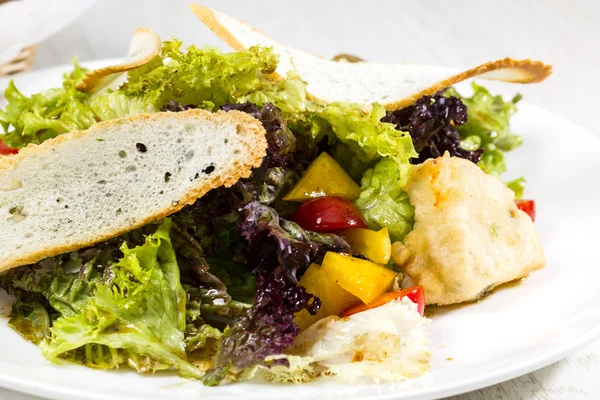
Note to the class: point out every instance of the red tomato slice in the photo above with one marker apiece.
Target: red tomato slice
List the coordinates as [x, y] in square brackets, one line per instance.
[327, 214]
[4, 149]
[528, 206]
[416, 294]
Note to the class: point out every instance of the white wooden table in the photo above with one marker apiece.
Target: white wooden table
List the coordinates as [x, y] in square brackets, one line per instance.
[450, 33]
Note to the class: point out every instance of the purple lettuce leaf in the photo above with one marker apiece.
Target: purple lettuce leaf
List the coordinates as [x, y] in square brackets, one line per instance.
[279, 252]
[267, 329]
[281, 141]
[291, 247]
[174, 106]
[431, 122]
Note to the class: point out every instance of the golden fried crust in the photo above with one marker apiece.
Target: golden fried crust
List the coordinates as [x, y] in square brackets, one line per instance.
[469, 236]
[249, 128]
[93, 78]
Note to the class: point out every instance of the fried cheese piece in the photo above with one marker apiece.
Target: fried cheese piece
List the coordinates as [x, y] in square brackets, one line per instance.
[468, 236]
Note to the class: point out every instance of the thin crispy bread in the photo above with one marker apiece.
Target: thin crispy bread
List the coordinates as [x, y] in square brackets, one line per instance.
[143, 47]
[393, 85]
[85, 187]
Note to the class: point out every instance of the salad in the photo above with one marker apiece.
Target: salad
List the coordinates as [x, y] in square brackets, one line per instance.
[306, 268]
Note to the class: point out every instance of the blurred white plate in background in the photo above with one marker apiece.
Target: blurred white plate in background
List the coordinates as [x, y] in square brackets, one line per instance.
[27, 22]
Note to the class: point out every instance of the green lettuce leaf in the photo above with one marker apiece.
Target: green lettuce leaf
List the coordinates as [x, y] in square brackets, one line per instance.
[30, 318]
[199, 337]
[361, 137]
[239, 279]
[516, 185]
[488, 127]
[140, 309]
[56, 308]
[209, 78]
[118, 105]
[46, 114]
[205, 78]
[382, 200]
[289, 95]
[206, 307]
[66, 293]
[492, 160]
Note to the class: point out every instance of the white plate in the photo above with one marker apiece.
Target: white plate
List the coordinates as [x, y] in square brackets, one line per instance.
[514, 331]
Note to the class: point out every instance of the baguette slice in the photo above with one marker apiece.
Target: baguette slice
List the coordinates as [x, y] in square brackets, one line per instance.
[395, 86]
[85, 187]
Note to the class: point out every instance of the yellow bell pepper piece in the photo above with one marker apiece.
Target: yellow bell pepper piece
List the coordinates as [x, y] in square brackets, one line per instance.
[375, 245]
[333, 298]
[364, 279]
[324, 177]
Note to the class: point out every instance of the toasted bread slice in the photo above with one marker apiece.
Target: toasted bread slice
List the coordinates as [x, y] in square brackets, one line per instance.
[85, 187]
[393, 85]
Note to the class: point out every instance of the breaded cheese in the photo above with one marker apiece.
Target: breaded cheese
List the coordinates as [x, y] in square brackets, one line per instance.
[469, 236]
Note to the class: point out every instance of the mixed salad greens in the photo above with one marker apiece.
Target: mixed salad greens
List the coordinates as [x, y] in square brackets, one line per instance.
[219, 280]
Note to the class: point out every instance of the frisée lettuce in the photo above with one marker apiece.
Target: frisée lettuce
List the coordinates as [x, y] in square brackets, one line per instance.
[209, 78]
[46, 114]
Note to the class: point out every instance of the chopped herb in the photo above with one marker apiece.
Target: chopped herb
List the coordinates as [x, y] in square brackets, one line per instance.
[494, 230]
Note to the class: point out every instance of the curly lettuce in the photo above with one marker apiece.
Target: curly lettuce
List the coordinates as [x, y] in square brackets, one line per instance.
[204, 78]
[383, 202]
[360, 137]
[141, 309]
[279, 252]
[211, 79]
[46, 114]
[374, 152]
[488, 127]
[118, 105]
[432, 123]
[125, 303]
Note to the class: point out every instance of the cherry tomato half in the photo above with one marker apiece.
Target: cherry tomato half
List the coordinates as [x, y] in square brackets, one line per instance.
[416, 294]
[327, 214]
[528, 206]
[4, 149]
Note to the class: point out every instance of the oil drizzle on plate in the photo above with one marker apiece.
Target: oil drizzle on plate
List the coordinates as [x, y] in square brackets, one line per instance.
[174, 385]
[432, 310]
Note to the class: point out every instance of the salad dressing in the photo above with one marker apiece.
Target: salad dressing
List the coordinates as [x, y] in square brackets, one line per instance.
[432, 310]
